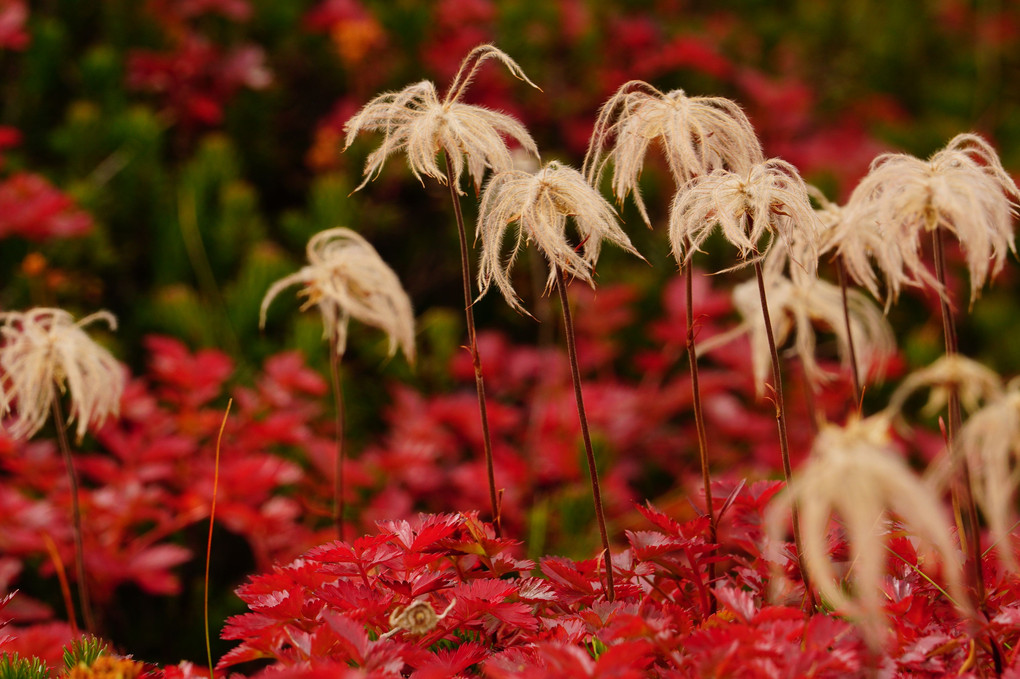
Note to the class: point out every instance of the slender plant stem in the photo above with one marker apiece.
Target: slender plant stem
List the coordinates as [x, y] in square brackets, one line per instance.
[339, 503]
[575, 374]
[962, 488]
[476, 361]
[854, 374]
[699, 422]
[65, 588]
[208, 544]
[79, 550]
[784, 441]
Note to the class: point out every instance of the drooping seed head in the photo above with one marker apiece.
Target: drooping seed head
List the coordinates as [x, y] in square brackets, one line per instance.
[751, 209]
[697, 135]
[346, 278]
[854, 475]
[45, 352]
[415, 121]
[989, 446]
[540, 205]
[962, 188]
[797, 307]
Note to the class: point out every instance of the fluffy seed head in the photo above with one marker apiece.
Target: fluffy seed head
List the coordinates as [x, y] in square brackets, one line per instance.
[962, 188]
[416, 121]
[751, 207]
[989, 445]
[796, 307]
[45, 351]
[973, 383]
[539, 205]
[697, 135]
[346, 278]
[859, 241]
[855, 475]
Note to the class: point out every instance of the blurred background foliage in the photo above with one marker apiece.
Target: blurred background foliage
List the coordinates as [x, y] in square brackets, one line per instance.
[198, 141]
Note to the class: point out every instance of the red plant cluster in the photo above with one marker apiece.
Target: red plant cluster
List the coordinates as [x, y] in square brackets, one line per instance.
[339, 608]
[152, 477]
[148, 477]
[194, 78]
[13, 15]
[32, 208]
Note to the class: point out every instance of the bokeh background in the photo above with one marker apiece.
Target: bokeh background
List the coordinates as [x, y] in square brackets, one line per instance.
[168, 159]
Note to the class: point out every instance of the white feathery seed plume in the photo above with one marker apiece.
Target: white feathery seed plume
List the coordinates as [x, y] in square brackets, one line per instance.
[45, 352]
[858, 240]
[416, 121]
[796, 307]
[750, 208]
[697, 135]
[346, 278]
[855, 476]
[962, 188]
[989, 445]
[972, 381]
[539, 204]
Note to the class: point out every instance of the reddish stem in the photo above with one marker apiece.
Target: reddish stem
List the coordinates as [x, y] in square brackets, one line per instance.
[575, 374]
[79, 550]
[784, 440]
[476, 361]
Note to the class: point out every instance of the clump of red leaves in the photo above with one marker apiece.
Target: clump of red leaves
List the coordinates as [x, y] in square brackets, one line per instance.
[147, 479]
[193, 77]
[336, 609]
[332, 610]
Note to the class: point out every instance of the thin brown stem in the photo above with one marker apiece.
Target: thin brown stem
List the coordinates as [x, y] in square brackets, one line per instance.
[699, 422]
[340, 457]
[854, 374]
[476, 361]
[208, 544]
[784, 441]
[961, 489]
[575, 374]
[79, 549]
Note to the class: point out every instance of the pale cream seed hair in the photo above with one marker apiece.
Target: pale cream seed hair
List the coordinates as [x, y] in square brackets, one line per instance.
[962, 188]
[346, 278]
[45, 353]
[796, 307]
[539, 204]
[861, 245]
[989, 445]
[972, 381]
[751, 209]
[696, 135]
[855, 476]
[415, 121]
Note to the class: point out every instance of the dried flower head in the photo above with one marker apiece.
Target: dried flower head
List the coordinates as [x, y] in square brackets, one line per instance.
[854, 474]
[346, 278]
[697, 135]
[769, 199]
[989, 444]
[418, 617]
[45, 350]
[539, 204]
[414, 120]
[796, 307]
[857, 241]
[962, 188]
[972, 381]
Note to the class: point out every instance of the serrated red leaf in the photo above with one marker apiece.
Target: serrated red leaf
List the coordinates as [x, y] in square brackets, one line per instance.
[446, 663]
